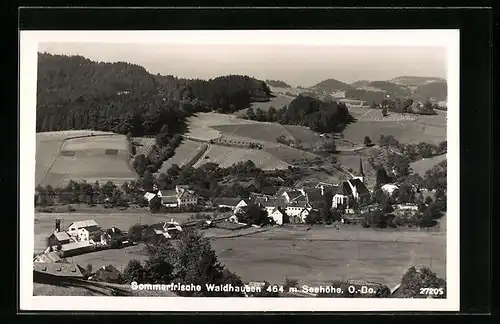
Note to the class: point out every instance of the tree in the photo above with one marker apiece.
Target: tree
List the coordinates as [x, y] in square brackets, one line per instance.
[135, 232]
[414, 280]
[254, 215]
[139, 164]
[155, 205]
[387, 209]
[271, 114]
[148, 181]
[382, 177]
[367, 141]
[250, 114]
[384, 111]
[312, 218]
[159, 267]
[134, 272]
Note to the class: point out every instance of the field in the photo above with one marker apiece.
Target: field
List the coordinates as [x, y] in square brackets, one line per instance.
[143, 145]
[421, 166]
[278, 102]
[185, 153]
[67, 155]
[316, 256]
[231, 129]
[226, 156]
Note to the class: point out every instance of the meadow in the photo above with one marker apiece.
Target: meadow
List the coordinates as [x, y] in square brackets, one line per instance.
[278, 102]
[79, 156]
[313, 257]
[421, 166]
[184, 154]
[226, 156]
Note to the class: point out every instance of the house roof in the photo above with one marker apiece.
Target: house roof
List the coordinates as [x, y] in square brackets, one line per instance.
[278, 209]
[226, 201]
[293, 194]
[61, 236]
[61, 269]
[343, 189]
[167, 193]
[282, 190]
[360, 186]
[269, 190]
[48, 257]
[149, 195]
[313, 194]
[75, 245]
[107, 272]
[169, 199]
[186, 194]
[325, 184]
[271, 202]
[85, 223]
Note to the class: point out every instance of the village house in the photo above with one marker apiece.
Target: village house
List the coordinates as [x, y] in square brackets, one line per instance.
[293, 195]
[270, 204]
[76, 248]
[164, 230]
[180, 197]
[113, 237]
[389, 188]
[227, 202]
[58, 238]
[108, 274]
[314, 197]
[87, 230]
[279, 216]
[298, 211]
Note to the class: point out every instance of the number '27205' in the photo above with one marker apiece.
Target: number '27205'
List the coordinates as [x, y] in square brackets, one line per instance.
[431, 291]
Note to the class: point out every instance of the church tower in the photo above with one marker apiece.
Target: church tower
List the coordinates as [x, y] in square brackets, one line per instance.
[360, 174]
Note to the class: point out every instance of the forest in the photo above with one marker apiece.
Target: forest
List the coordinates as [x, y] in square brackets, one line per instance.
[76, 93]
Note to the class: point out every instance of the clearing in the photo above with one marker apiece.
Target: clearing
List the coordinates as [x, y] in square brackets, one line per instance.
[226, 156]
[278, 102]
[421, 166]
[185, 153]
[143, 145]
[61, 156]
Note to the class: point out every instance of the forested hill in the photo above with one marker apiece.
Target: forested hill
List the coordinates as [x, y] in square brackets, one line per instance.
[77, 93]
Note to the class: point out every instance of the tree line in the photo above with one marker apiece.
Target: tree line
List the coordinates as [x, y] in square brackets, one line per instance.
[319, 116]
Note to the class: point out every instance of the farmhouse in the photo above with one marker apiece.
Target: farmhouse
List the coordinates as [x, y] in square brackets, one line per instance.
[76, 248]
[107, 274]
[165, 230]
[113, 237]
[179, 197]
[85, 230]
[58, 238]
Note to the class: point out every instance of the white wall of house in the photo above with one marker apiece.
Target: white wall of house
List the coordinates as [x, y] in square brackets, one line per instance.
[187, 201]
[83, 234]
[296, 211]
[277, 215]
[339, 200]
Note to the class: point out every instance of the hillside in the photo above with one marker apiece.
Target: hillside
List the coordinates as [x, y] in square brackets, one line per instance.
[415, 80]
[331, 85]
[77, 93]
[437, 90]
[278, 83]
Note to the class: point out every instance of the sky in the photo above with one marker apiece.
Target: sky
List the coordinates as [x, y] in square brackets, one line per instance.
[303, 64]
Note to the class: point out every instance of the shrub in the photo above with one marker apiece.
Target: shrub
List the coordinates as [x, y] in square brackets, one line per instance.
[134, 271]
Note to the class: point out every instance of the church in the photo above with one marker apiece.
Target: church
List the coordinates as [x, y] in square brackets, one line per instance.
[353, 190]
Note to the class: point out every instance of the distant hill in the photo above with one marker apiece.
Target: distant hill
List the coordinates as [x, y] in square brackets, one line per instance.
[331, 85]
[278, 84]
[437, 90]
[415, 80]
[360, 83]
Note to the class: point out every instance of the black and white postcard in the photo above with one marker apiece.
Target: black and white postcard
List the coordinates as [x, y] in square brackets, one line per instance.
[305, 166]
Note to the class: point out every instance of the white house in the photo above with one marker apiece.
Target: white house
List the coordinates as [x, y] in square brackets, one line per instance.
[389, 188]
[84, 230]
[277, 214]
[242, 204]
[186, 197]
[168, 198]
[299, 211]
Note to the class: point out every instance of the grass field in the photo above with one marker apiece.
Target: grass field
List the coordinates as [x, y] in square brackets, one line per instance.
[186, 152]
[315, 256]
[421, 166]
[278, 102]
[226, 156]
[65, 156]
[288, 154]
[267, 132]
[143, 145]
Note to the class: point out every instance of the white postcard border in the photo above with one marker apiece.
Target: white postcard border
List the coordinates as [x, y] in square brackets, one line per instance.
[27, 104]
